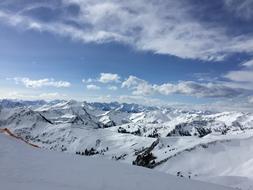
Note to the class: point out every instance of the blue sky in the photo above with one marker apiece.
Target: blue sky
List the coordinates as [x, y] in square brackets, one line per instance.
[168, 52]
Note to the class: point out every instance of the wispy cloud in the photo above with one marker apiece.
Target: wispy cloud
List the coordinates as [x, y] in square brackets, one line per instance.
[89, 80]
[250, 99]
[240, 76]
[167, 27]
[191, 88]
[51, 96]
[29, 83]
[113, 88]
[188, 88]
[92, 87]
[244, 75]
[33, 96]
[243, 9]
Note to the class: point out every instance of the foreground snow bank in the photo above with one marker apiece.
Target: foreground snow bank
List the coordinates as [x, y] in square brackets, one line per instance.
[24, 167]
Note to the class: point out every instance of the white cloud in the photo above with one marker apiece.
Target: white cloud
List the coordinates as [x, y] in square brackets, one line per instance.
[132, 81]
[51, 96]
[41, 83]
[242, 9]
[109, 78]
[250, 99]
[113, 88]
[89, 80]
[33, 96]
[243, 75]
[104, 78]
[139, 86]
[240, 76]
[248, 64]
[92, 87]
[166, 27]
[189, 88]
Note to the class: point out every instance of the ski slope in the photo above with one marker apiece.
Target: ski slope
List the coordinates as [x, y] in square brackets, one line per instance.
[24, 167]
[202, 145]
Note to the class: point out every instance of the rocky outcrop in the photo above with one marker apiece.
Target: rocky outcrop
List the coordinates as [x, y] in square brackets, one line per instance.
[146, 158]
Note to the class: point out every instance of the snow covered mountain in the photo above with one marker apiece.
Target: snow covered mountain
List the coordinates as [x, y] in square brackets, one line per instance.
[26, 168]
[193, 144]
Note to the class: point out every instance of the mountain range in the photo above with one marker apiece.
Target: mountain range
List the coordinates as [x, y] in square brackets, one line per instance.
[202, 145]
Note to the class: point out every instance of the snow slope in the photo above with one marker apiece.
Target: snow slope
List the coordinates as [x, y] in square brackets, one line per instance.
[26, 168]
[227, 162]
[193, 143]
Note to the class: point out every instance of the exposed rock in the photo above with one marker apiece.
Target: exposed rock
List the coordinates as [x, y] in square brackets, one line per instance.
[146, 158]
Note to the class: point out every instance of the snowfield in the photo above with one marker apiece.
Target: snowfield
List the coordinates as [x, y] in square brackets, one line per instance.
[24, 167]
[227, 162]
[191, 144]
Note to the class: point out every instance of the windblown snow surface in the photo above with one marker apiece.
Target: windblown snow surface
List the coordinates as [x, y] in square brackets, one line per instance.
[189, 144]
[24, 167]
